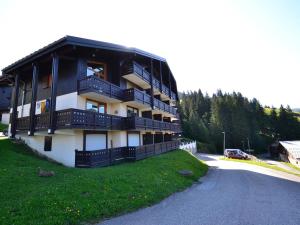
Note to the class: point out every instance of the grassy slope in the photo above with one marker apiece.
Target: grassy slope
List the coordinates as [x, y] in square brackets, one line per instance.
[3, 127]
[292, 166]
[261, 163]
[75, 195]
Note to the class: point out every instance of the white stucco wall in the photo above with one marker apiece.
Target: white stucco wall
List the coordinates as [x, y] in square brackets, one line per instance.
[118, 109]
[63, 145]
[67, 101]
[5, 118]
[118, 138]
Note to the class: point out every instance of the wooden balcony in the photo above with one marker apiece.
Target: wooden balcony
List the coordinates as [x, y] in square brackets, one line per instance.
[106, 157]
[96, 88]
[140, 123]
[173, 96]
[89, 120]
[136, 74]
[159, 105]
[74, 119]
[23, 123]
[137, 98]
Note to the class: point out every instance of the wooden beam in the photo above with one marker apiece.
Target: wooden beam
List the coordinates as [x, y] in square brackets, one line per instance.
[52, 123]
[160, 73]
[14, 115]
[151, 82]
[33, 99]
[170, 84]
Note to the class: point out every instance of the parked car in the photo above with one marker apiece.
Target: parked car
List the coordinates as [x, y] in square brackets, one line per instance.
[235, 154]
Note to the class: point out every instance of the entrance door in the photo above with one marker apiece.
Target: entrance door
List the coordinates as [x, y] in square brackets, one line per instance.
[133, 139]
[95, 142]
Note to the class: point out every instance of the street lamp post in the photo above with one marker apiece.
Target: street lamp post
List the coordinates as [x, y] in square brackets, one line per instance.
[224, 143]
[248, 146]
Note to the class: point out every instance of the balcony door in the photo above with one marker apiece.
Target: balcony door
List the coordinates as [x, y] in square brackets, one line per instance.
[95, 106]
[98, 69]
[133, 139]
[95, 141]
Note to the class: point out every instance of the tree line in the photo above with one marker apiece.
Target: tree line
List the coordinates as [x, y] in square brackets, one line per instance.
[245, 122]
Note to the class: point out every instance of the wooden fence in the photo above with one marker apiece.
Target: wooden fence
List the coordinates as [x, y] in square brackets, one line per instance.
[106, 157]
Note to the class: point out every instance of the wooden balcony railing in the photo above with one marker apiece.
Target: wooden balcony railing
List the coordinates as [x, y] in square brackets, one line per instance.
[156, 83]
[140, 123]
[105, 157]
[145, 151]
[23, 123]
[97, 85]
[134, 67]
[165, 90]
[42, 121]
[134, 94]
[84, 119]
[164, 107]
[173, 95]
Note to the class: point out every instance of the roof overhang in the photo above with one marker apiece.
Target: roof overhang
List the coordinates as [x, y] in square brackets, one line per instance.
[76, 41]
[81, 42]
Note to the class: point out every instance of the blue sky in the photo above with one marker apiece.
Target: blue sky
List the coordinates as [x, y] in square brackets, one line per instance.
[247, 46]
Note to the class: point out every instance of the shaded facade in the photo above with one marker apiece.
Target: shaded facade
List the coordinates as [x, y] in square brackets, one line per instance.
[87, 103]
[5, 99]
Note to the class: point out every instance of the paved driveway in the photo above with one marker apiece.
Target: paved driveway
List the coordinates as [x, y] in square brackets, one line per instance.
[231, 193]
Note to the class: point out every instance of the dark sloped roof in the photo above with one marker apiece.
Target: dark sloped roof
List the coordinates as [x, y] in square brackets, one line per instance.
[77, 41]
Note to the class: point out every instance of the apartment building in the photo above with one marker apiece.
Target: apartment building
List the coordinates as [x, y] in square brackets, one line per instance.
[87, 103]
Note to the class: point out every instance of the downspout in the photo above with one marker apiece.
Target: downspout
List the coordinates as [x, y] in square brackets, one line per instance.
[23, 98]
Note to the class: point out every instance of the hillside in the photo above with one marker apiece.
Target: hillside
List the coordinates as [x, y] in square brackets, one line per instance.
[74, 195]
[206, 118]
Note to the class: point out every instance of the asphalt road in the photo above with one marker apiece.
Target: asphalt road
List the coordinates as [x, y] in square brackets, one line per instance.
[230, 194]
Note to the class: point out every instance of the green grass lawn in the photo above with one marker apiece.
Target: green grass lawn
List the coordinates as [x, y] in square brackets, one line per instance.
[261, 163]
[75, 195]
[292, 166]
[3, 127]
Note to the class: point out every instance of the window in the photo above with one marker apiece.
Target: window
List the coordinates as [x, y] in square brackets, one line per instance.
[96, 106]
[97, 69]
[48, 143]
[132, 111]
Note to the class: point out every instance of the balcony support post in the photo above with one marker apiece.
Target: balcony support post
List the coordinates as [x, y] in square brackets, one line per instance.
[170, 84]
[33, 99]
[160, 74]
[52, 118]
[151, 81]
[14, 115]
